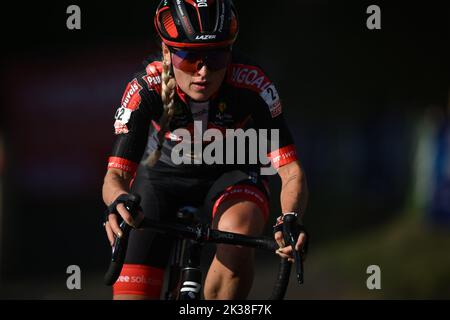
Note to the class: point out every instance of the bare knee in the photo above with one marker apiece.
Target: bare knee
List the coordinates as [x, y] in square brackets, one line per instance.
[242, 217]
[231, 273]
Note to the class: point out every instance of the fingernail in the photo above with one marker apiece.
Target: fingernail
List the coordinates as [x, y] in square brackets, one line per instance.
[119, 234]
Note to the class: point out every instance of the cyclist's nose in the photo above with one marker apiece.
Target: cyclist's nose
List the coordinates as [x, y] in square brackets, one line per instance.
[202, 69]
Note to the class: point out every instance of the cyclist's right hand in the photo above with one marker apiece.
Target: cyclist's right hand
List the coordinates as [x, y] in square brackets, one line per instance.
[112, 224]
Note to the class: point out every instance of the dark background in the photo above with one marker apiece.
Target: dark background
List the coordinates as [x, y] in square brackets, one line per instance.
[354, 99]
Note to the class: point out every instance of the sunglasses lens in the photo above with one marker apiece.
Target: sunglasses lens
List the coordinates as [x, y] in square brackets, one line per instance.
[184, 62]
[217, 60]
[192, 61]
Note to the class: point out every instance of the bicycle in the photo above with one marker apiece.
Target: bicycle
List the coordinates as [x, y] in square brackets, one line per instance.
[185, 277]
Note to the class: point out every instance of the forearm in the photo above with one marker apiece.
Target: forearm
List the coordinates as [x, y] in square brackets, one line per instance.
[294, 189]
[116, 182]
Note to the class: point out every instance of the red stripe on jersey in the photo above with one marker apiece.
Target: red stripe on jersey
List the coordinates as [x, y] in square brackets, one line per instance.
[155, 68]
[139, 280]
[131, 98]
[122, 164]
[153, 76]
[283, 156]
[158, 127]
[248, 77]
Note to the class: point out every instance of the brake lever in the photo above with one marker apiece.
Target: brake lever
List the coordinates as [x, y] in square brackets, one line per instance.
[132, 206]
[299, 265]
[291, 233]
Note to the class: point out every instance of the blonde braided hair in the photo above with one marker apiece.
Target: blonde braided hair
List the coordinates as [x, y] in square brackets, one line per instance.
[167, 95]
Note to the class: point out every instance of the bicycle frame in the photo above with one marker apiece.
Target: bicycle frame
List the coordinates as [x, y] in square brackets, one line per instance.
[185, 277]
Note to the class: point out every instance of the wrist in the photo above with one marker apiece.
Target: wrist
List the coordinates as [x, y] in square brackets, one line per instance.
[297, 214]
[122, 197]
[130, 200]
[115, 196]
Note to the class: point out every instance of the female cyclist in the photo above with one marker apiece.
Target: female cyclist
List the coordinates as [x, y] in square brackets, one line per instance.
[197, 80]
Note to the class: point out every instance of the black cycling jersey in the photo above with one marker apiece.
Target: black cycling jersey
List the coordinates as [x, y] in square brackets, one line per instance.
[246, 99]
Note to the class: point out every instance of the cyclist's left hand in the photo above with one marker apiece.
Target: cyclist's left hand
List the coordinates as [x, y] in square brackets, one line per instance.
[286, 251]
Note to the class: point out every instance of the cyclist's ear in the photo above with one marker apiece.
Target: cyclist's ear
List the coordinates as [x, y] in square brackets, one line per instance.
[166, 53]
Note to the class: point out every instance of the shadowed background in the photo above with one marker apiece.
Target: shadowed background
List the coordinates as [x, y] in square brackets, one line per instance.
[369, 111]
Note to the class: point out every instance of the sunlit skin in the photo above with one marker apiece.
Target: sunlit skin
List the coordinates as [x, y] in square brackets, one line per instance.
[199, 86]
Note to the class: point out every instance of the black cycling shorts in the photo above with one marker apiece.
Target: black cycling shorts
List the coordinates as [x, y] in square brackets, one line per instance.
[163, 191]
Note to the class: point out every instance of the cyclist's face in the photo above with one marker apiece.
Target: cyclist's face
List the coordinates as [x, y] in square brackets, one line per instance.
[199, 81]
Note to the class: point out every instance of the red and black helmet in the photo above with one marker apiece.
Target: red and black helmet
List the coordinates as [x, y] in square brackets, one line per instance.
[197, 23]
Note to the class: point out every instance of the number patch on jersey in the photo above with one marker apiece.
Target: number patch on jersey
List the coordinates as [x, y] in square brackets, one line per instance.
[123, 114]
[270, 96]
[122, 117]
